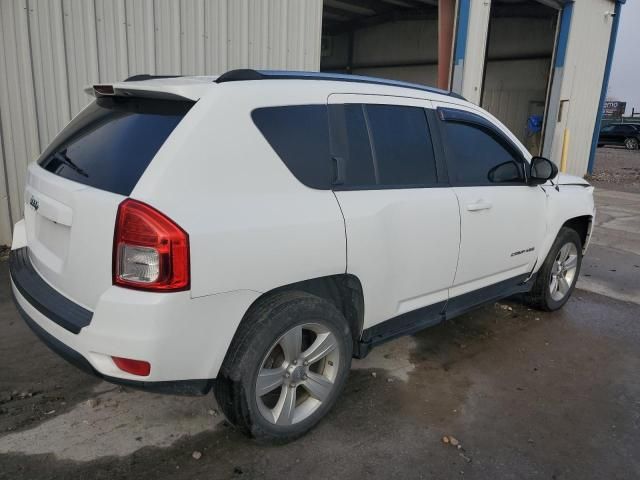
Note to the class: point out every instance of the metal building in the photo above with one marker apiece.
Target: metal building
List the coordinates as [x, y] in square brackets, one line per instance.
[547, 59]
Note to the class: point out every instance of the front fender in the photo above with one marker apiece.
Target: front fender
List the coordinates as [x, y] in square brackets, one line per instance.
[565, 202]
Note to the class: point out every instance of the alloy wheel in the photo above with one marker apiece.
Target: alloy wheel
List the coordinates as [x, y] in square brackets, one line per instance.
[631, 143]
[563, 271]
[298, 374]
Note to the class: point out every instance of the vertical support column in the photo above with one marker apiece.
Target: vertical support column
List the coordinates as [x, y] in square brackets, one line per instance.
[446, 20]
[605, 84]
[462, 28]
[554, 105]
[471, 46]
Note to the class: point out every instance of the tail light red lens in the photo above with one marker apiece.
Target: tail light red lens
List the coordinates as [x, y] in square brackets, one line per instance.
[150, 251]
[134, 367]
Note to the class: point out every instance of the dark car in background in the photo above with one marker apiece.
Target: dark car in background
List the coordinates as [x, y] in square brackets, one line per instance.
[620, 134]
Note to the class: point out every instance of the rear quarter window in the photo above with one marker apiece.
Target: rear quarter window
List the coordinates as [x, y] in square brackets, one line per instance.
[111, 143]
[299, 134]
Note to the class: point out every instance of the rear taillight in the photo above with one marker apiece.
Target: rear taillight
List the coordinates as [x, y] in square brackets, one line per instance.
[150, 252]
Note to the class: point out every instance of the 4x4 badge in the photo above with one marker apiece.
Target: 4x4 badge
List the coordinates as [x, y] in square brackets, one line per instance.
[34, 203]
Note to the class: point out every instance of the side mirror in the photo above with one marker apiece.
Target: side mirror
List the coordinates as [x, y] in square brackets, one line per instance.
[541, 170]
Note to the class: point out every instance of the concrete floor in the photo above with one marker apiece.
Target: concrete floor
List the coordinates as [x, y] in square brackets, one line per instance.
[527, 394]
[612, 265]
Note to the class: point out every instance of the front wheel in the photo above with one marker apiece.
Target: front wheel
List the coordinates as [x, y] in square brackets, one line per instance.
[286, 366]
[631, 144]
[558, 275]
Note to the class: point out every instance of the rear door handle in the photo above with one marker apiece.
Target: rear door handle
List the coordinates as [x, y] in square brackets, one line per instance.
[479, 205]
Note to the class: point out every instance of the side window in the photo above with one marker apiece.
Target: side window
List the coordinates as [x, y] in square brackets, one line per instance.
[479, 156]
[402, 145]
[381, 146]
[299, 134]
[350, 145]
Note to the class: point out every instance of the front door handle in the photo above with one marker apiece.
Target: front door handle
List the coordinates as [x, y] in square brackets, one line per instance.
[479, 205]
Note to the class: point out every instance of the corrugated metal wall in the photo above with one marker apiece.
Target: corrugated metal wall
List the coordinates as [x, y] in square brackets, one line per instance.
[582, 81]
[51, 49]
[580, 84]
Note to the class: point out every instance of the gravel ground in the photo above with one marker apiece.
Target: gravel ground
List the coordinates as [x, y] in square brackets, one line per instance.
[617, 169]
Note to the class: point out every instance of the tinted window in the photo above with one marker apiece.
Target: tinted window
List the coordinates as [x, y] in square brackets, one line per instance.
[402, 145]
[480, 157]
[350, 144]
[111, 143]
[299, 134]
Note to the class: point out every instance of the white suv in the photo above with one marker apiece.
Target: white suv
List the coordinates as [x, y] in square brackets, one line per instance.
[251, 233]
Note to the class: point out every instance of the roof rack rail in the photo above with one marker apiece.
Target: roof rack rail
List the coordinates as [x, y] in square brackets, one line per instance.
[146, 76]
[244, 74]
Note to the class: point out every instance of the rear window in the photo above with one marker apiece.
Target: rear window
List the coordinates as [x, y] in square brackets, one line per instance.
[111, 143]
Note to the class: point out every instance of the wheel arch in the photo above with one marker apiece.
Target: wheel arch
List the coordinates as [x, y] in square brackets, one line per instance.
[344, 291]
[583, 226]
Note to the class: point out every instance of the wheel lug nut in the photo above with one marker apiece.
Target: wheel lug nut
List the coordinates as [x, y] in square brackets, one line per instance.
[305, 363]
[295, 362]
[287, 375]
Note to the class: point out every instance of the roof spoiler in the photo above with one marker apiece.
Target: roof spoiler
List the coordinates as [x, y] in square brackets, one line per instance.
[125, 89]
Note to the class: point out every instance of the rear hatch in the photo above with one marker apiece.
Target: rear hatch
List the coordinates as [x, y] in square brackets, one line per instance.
[73, 191]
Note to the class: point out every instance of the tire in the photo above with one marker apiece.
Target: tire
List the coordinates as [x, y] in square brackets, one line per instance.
[631, 144]
[265, 344]
[550, 296]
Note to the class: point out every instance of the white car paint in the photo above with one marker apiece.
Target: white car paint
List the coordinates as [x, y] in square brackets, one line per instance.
[253, 228]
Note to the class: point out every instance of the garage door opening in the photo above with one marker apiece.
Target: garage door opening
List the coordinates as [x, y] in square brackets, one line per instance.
[520, 46]
[396, 39]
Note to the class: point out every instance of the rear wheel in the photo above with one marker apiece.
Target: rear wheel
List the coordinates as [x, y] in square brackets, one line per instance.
[631, 144]
[558, 275]
[286, 367]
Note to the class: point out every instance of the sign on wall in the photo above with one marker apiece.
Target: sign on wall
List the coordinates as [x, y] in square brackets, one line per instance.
[614, 109]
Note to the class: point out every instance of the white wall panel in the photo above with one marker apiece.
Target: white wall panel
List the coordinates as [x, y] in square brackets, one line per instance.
[81, 50]
[582, 81]
[238, 32]
[48, 58]
[215, 48]
[167, 34]
[473, 72]
[5, 216]
[111, 33]
[278, 34]
[19, 143]
[258, 33]
[51, 49]
[141, 47]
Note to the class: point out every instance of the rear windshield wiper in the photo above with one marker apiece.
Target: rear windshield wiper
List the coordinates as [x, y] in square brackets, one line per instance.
[62, 157]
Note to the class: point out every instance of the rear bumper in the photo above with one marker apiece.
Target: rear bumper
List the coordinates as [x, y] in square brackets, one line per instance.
[43, 297]
[178, 387]
[185, 340]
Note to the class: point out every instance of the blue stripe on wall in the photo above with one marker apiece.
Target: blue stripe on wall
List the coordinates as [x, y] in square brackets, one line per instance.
[563, 35]
[605, 83]
[463, 30]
